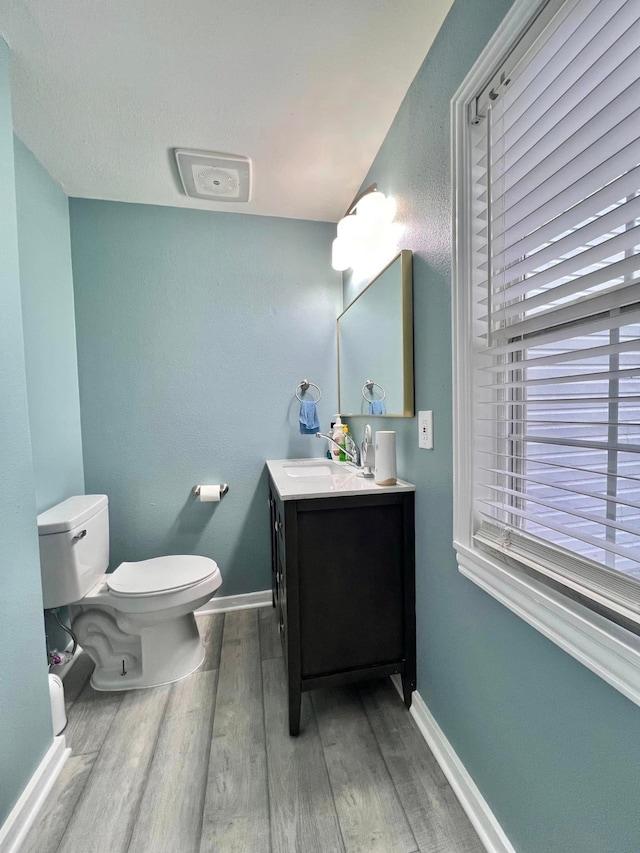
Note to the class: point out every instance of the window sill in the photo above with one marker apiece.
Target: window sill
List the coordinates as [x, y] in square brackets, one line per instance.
[602, 646]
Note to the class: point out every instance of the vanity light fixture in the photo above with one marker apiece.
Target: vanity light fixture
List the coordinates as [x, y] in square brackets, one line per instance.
[363, 229]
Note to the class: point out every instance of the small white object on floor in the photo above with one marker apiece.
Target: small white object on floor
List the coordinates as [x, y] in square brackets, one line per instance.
[58, 712]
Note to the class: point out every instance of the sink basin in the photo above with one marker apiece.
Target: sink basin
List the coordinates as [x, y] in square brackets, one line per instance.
[310, 469]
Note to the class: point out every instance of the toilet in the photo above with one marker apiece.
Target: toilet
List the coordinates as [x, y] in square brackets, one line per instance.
[137, 623]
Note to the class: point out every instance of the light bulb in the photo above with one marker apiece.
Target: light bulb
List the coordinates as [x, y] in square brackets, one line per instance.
[340, 255]
[372, 207]
[350, 228]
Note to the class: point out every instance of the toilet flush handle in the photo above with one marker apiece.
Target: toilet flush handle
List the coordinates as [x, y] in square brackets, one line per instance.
[80, 535]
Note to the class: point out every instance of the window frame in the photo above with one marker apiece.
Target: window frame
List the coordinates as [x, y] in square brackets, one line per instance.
[601, 644]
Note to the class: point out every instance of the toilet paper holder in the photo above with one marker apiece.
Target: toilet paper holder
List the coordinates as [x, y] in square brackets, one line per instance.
[224, 488]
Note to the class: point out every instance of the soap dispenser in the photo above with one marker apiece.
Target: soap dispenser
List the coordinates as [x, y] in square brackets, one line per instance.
[346, 438]
[338, 436]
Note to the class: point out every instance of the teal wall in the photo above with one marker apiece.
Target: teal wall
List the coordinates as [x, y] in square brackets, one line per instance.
[46, 285]
[49, 331]
[193, 330]
[554, 749]
[25, 716]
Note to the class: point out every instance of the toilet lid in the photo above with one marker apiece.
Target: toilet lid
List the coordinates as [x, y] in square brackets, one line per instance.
[161, 574]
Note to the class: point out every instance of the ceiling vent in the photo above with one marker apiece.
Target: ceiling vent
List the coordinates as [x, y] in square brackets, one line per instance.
[214, 177]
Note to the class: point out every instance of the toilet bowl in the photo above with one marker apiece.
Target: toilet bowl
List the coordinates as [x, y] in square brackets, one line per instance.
[137, 623]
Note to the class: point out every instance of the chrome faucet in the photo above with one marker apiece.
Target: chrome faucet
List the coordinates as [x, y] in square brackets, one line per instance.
[352, 454]
[363, 460]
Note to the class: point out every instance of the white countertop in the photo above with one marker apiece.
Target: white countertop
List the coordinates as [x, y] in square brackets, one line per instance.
[323, 478]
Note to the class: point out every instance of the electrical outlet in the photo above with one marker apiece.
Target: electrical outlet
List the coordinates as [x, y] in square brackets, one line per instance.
[425, 430]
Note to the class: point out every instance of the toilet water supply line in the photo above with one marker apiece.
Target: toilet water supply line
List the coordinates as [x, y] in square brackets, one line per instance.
[55, 657]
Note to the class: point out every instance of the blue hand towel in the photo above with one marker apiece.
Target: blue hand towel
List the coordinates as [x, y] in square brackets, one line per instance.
[376, 407]
[309, 423]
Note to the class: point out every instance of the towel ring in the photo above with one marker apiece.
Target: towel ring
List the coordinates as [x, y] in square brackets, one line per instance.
[305, 385]
[370, 385]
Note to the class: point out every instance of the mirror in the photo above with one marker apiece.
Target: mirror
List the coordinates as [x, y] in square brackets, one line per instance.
[375, 346]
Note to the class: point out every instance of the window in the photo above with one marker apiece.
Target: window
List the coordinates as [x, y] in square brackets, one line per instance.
[547, 301]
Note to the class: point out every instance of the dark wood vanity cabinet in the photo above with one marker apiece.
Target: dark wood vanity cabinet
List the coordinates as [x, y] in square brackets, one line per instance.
[344, 590]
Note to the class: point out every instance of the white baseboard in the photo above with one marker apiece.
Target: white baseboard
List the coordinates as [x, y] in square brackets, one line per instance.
[23, 814]
[225, 603]
[474, 804]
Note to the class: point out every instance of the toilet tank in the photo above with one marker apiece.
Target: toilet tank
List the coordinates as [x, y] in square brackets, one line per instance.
[74, 548]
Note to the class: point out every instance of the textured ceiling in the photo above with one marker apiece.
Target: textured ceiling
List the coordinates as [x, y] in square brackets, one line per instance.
[103, 90]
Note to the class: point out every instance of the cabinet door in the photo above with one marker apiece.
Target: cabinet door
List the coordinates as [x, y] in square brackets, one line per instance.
[279, 563]
[274, 551]
[351, 586]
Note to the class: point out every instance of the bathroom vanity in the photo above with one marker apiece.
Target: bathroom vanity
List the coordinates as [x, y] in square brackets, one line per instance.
[343, 574]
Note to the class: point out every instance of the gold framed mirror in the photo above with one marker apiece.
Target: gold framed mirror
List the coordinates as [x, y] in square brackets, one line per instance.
[375, 346]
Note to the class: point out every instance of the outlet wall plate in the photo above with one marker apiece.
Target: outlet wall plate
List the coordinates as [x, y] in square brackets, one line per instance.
[425, 430]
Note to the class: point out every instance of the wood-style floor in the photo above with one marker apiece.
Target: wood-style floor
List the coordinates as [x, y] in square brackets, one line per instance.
[207, 764]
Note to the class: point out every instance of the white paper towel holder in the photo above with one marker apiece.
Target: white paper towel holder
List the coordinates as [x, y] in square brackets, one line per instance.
[224, 488]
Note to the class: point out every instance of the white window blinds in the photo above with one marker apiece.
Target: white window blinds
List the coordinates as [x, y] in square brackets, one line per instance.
[557, 309]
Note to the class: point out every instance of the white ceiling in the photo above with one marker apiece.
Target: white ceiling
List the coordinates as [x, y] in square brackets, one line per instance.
[103, 90]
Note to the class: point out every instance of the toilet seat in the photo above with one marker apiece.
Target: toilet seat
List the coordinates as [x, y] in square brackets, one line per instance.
[160, 575]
